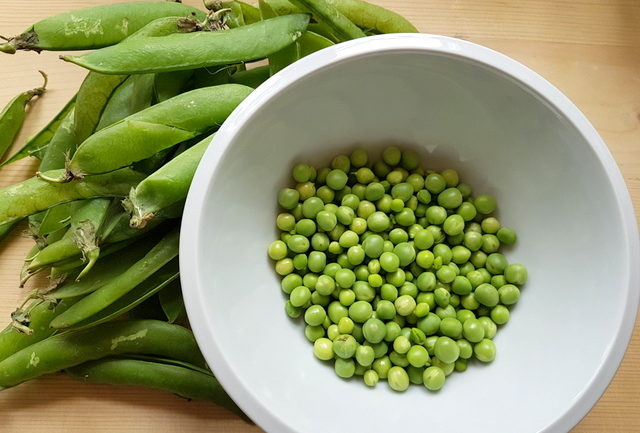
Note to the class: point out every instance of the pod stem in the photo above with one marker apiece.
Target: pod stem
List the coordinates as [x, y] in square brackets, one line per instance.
[86, 238]
[139, 218]
[40, 90]
[27, 41]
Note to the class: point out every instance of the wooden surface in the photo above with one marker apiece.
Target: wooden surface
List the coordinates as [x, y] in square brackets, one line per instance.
[587, 48]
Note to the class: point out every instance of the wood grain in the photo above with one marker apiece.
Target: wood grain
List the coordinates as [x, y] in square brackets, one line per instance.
[587, 48]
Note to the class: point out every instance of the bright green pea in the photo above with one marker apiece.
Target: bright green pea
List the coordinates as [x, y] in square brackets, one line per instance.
[447, 311]
[384, 203]
[397, 278]
[472, 240]
[398, 235]
[464, 315]
[509, 294]
[298, 244]
[490, 225]
[350, 200]
[473, 330]
[391, 156]
[465, 190]
[374, 330]
[371, 378]
[288, 198]
[364, 175]
[409, 289]
[450, 198]
[498, 281]
[453, 225]
[365, 355]
[446, 350]
[401, 344]
[326, 220]
[485, 204]
[435, 183]
[336, 179]
[478, 259]
[344, 346]
[467, 211]
[461, 365]
[461, 285]
[423, 239]
[424, 196]
[466, 349]
[506, 236]
[363, 291]
[365, 208]
[344, 368]
[396, 205]
[359, 158]
[374, 191]
[348, 239]
[433, 378]
[290, 282]
[355, 254]
[496, 263]
[490, 243]
[323, 349]
[500, 314]
[345, 278]
[410, 160]
[345, 325]
[382, 366]
[451, 177]
[320, 241]
[300, 296]
[405, 252]
[442, 296]
[345, 215]
[300, 262]
[415, 374]
[301, 173]
[516, 274]
[417, 356]
[373, 246]
[313, 333]
[336, 311]
[305, 227]
[469, 301]
[406, 217]
[446, 274]
[398, 379]
[487, 295]
[277, 250]
[358, 225]
[325, 285]
[425, 259]
[436, 215]
[378, 222]
[325, 194]
[422, 309]
[402, 191]
[284, 266]
[285, 221]
[430, 324]
[360, 311]
[490, 328]
[388, 292]
[306, 190]
[460, 254]
[293, 312]
[485, 350]
[389, 262]
[311, 207]
[385, 310]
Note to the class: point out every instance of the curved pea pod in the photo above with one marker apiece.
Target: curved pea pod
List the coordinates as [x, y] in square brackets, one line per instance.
[12, 116]
[169, 84]
[133, 95]
[36, 194]
[182, 51]
[65, 350]
[186, 382]
[169, 185]
[149, 131]
[37, 145]
[250, 14]
[327, 14]
[308, 43]
[251, 77]
[234, 17]
[161, 254]
[172, 303]
[94, 27]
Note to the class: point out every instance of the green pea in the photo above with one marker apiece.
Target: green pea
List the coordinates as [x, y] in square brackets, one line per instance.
[509, 294]
[416, 336]
[382, 366]
[300, 262]
[337, 311]
[385, 310]
[305, 227]
[374, 330]
[441, 296]
[285, 221]
[496, 263]
[425, 259]
[516, 274]
[469, 301]
[498, 281]
[500, 314]
[490, 243]
[464, 315]
[424, 196]
[460, 255]
[417, 356]
[325, 285]
[360, 311]
[446, 274]
[371, 378]
[344, 368]
[405, 305]
[436, 215]
[398, 379]
[506, 236]
[409, 289]
[472, 240]
[277, 250]
[374, 190]
[389, 262]
[398, 235]
[323, 349]
[465, 190]
[473, 330]
[396, 205]
[466, 349]
[358, 225]
[345, 325]
[288, 198]
[487, 295]
[450, 198]
[298, 244]
[435, 183]
[405, 253]
[378, 221]
[485, 204]
[345, 215]
[478, 259]
[401, 344]
[388, 292]
[433, 378]
[311, 207]
[461, 285]
[485, 350]
[355, 254]
[373, 246]
[405, 217]
[490, 225]
[350, 200]
[363, 291]
[297, 212]
[365, 355]
[391, 156]
[293, 312]
[453, 225]
[313, 332]
[467, 211]
[422, 309]
[430, 324]
[326, 194]
[410, 160]
[430, 344]
[284, 266]
[332, 332]
[300, 296]
[373, 266]
[402, 191]
[490, 328]
[345, 346]
[301, 173]
[447, 311]
[446, 350]
[474, 227]
[290, 282]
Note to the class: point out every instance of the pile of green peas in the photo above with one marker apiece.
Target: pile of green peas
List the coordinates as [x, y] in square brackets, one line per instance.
[396, 270]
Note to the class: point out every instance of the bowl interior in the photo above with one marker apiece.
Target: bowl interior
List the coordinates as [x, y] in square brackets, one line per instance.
[504, 139]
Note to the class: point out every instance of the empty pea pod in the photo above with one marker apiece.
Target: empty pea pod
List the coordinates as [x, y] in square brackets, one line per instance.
[149, 131]
[68, 349]
[93, 27]
[35, 194]
[186, 382]
[12, 116]
[195, 50]
[165, 187]
[329, 15]
[162, 253]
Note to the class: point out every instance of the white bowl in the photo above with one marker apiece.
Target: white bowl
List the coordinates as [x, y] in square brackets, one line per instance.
[509, 133]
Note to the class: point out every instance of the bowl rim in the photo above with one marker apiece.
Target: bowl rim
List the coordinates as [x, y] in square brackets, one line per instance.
[402, 42]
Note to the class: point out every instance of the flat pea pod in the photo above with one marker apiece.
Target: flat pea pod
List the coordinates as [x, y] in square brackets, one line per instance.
[250, 14]
[95, 27]
[251, 77]
[133, 95]
[169, 185]
[120, 229]
[36, 194]
[185, 382]
[65, 350]
[195, 50]
[81, 238]
[169, 84]
[55, 218]
[143, 291]
[149, 131]
[162, 253]
[36, 146]
[308, 43]
[12, 116]
[172, 302]
[40, 314]
[328, 14]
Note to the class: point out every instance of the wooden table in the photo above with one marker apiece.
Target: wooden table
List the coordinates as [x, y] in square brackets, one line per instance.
[589, 49]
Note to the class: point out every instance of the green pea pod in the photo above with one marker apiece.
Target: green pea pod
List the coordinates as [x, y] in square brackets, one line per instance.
[172, 303]
[95, 27]
[133, 95]
[308, 43]
[165, 251]
[6, 227]
[169, 185]
[12, 116]
[266, 11]
[185, 382]
[234, 17]
[40, 313]
[250, 14]
[55, 218]
[121, 230]
[81, 238]
[169, 84]
[149, 131]
[326, 13]
[37, 145]
[68, 349]
[195, 50]
[36, 194]
[251, 77]
[143, 291]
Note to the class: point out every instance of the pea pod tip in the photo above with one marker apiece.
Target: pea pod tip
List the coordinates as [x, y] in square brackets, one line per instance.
[8, 48]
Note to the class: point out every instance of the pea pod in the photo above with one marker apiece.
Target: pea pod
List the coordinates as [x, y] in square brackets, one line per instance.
[251, 77]
[250, 14]
[165, 251]
[172, 303]
[195, 50]
[133, 95]
[149, 131]
[37, 145]
[185, 382]
[81, 238]
[166, 186]
[36, 194]
[12, 116]
[169, 84]
[234, 17]
[94, 27]
[308, 43]
[6, 227]
[65, 350]
[326, 13]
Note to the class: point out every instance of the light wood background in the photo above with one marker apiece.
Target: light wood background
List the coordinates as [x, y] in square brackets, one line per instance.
[587, 48]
